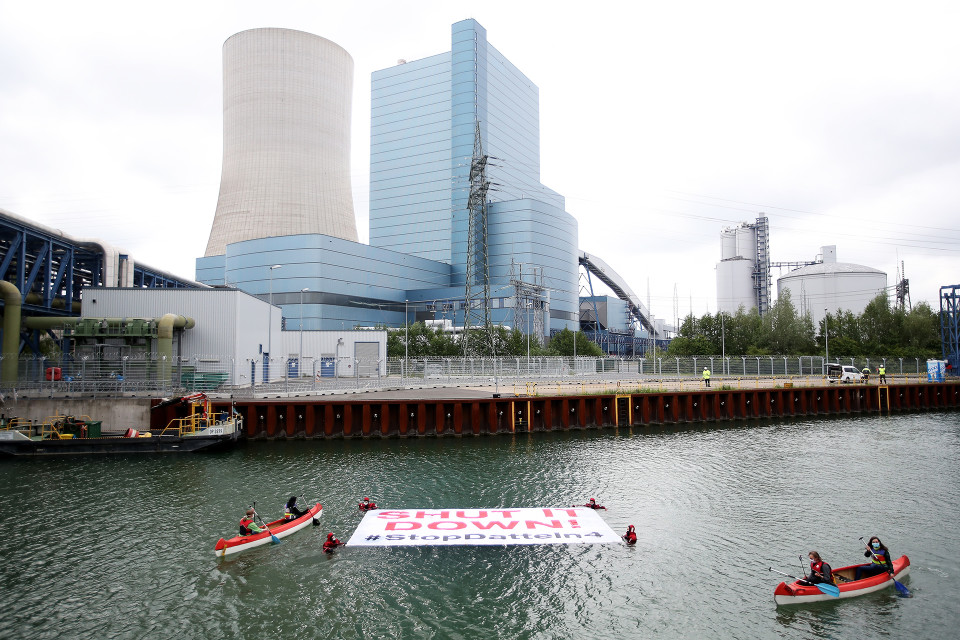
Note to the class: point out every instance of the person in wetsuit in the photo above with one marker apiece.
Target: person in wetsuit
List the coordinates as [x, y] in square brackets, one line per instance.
[592, 503]
[630, 536]
[331, 543]
[367, 505]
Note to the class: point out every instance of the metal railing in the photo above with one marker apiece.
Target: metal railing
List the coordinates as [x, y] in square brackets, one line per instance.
[152, 374]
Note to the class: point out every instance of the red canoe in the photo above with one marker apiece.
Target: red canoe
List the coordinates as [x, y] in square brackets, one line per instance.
[794, 593]
[279, 528]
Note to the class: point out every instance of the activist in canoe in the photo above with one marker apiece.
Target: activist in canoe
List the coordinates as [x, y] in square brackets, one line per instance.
[880, 560]
[820, 571]
[290, 510]
[367, 505]
[331, 543]
[592, 503]
[630, 536]
[248, 526]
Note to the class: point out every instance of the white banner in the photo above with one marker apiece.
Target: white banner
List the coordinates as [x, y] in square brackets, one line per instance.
[410, 527]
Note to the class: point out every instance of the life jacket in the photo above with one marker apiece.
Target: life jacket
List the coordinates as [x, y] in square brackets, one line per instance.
[244, 529]
[817, 567]
[883, 371]
[879, 557]
[631, 537]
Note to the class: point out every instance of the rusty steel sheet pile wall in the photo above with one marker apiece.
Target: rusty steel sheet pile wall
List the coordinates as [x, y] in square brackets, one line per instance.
[317, 418]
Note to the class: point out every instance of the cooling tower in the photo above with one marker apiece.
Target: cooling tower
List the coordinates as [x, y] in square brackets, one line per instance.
[286, 139]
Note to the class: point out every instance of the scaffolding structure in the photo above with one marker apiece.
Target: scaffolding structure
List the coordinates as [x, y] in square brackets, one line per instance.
[903, 289]
[529, 295]
[950, 327]
[761, 271]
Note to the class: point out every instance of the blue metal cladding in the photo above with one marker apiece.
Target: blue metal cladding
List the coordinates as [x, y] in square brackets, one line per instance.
[420, 209]
[538, 235]
[410, 180]
[348, 284]
[468, 81]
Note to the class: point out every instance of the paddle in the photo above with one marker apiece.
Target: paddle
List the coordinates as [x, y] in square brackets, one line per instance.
[274, 538]
[901, 589]
[316, 522]
[826, 589]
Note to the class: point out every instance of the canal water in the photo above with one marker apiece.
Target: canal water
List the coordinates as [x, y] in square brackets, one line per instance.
[123, 547]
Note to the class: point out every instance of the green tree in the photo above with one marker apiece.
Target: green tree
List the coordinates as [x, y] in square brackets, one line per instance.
[561, 344]
[878, 326]
[921, 333]
[784, 331]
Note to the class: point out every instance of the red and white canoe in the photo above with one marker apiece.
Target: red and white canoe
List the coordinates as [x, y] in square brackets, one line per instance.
[279, 528]
[794, 593]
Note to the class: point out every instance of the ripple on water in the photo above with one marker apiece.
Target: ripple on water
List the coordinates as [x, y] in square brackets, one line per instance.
[125, 545]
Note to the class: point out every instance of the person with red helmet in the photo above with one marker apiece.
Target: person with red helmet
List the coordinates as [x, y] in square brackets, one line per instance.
[592, 503]
[367, 504]
[630, 536]
[331, 543]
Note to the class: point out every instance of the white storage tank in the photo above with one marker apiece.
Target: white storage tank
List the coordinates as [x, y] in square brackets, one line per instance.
[728, 244]
[832, 286]
[735, 285]
[747, 242]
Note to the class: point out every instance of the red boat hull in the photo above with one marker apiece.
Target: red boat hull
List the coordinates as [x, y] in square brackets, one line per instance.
[794, 593]
[278, 528]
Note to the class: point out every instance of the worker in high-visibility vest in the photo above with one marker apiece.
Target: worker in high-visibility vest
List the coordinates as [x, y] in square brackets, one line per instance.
[882, 370]
[706, 376]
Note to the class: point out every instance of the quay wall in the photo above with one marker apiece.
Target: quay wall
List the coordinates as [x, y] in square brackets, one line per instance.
[306, 417]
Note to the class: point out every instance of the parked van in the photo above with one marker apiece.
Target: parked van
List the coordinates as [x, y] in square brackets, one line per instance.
[843, 373]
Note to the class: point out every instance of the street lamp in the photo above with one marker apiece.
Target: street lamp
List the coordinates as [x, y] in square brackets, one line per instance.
[529, 312]
[826, 335]
[723, 345]
[300, 356]
[270, 323]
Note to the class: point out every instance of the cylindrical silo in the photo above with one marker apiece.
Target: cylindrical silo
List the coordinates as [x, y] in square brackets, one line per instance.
[286, 139]
[747, 242]
[735, 285]
[832, 286]
[728, 244]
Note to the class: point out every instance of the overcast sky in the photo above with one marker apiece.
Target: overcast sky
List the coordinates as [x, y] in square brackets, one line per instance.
[661, 123]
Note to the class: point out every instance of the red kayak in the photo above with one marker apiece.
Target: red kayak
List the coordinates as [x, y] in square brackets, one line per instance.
[278, 528]
[794, 593]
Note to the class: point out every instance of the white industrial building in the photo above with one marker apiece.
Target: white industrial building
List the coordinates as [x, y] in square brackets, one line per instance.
[832, 286]
[227, 330]
[743, 273]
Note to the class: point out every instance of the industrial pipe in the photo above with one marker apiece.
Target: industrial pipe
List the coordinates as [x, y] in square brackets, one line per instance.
[165, 329]
[13, 302]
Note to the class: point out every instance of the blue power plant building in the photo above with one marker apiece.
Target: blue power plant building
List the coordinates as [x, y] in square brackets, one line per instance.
[461, 228]
[429, 118]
